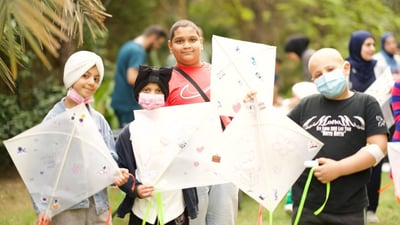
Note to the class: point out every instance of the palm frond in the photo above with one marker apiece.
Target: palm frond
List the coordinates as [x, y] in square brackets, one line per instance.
[85, 12]
[43, 24]
[6, 75]
[37, 22]
[3, 16]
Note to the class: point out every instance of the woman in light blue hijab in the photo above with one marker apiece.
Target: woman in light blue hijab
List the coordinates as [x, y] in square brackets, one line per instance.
[387, 56]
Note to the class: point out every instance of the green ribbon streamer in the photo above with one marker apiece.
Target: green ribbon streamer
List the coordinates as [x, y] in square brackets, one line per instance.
[270, 218]
[146, 214]
[259, 221]
[160, 214]
[304, 195]
[328, 190]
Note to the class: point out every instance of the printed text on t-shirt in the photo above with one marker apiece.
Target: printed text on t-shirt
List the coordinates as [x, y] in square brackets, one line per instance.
[337, 127]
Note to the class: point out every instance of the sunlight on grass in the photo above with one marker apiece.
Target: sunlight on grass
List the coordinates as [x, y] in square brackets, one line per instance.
[16, 207]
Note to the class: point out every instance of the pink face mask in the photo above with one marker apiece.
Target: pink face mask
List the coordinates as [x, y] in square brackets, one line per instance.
[77, 98]
[151, 101]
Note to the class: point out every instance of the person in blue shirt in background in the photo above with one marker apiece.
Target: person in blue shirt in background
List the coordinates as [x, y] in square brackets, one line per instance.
[132, 54]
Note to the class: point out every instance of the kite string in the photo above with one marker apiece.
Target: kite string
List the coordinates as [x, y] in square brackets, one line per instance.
[60, 170]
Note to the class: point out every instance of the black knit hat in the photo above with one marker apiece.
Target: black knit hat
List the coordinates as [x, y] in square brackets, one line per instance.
[297, 43]
[147, 74]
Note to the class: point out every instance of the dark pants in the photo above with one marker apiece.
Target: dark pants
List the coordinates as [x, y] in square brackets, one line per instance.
[373, 186]
[181, 220]
[308, 218]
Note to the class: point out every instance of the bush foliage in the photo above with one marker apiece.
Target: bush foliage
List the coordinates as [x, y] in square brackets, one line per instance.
[15, 117]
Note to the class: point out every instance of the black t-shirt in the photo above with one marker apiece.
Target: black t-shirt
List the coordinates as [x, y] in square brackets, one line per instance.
[343, 126]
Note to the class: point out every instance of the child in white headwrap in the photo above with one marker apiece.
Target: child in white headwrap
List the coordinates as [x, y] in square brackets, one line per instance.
[83, 73]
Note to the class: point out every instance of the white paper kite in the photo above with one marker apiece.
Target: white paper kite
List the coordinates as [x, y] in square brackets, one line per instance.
[173, 146]
[394, 160]
[237, 68]
[263, 153]
[381, 89]
[62, 161]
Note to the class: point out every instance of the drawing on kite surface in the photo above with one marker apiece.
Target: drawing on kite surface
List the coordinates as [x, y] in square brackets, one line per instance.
[53, 158]
[239, 67]
[184, 158]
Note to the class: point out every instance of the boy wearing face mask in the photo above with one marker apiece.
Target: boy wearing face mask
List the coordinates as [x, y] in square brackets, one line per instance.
[151, 90]
[344, 121]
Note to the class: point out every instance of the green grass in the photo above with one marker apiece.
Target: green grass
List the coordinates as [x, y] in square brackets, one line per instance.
[16, 208]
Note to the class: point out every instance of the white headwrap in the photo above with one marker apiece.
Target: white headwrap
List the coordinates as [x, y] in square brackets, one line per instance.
[77, 65]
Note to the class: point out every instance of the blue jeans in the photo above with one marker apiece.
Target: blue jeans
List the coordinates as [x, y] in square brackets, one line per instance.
[218, 205]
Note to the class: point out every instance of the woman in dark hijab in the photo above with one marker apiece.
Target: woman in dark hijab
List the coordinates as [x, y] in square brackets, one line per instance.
[361, 49]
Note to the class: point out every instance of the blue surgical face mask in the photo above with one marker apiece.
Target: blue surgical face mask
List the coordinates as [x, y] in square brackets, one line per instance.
[331, 84]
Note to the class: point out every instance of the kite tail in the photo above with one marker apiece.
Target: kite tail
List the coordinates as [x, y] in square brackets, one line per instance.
[146, 214]
[160, 213]
[328, 190]
[260, 216]
[110, 213]
[386, 186]
[44, 221]
[270, 218]
[304, 195]
[109, 216]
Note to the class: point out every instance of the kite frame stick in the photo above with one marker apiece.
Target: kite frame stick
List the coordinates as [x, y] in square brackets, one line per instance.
[60, 170]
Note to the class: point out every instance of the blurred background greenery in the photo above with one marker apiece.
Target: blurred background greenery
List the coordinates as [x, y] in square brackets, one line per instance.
[38, 36]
